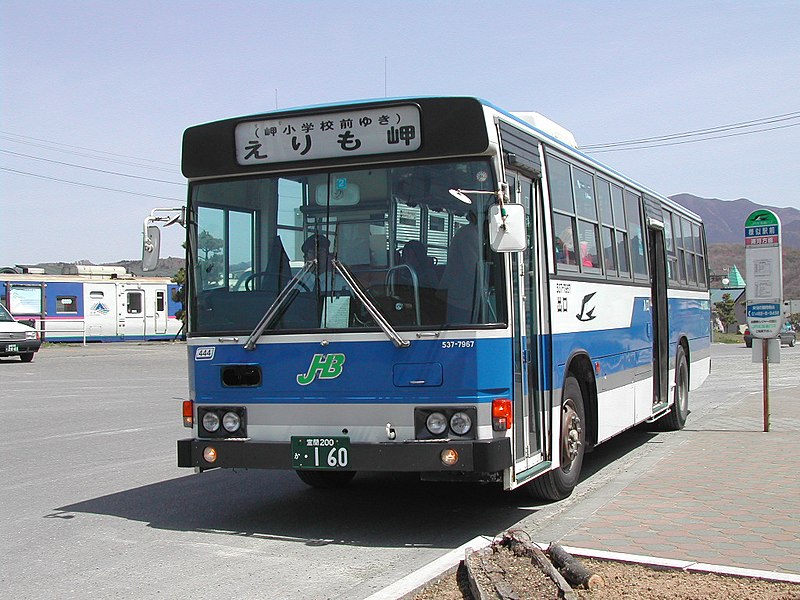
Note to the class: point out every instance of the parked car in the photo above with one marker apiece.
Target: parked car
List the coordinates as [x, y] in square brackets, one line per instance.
[17, 339]
[787, 335]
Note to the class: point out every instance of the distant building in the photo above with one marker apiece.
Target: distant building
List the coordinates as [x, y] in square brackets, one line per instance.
[734, 284]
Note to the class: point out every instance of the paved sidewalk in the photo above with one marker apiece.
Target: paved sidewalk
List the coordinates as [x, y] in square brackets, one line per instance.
[724, 492]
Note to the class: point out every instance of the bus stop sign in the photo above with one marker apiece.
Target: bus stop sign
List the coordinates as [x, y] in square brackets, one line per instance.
[764, 292]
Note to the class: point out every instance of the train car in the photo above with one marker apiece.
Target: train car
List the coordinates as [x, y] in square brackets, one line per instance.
[94, 304]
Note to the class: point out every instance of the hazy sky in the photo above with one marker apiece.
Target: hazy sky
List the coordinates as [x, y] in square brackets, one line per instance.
[110, 86]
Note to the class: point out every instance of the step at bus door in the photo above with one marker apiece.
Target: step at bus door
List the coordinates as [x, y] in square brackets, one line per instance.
[528, 405]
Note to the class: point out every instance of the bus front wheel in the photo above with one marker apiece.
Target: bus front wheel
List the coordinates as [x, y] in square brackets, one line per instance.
[559, 483]
[325, 479]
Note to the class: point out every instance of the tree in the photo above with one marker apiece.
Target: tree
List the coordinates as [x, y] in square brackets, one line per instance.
[211, 262]
[725, 313]
[179, 295]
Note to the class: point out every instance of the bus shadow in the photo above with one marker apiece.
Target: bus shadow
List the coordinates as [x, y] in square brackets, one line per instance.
[374, 510]
[616, 448]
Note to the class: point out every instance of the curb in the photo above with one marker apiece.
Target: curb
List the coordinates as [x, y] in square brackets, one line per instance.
[683, 565]
[408, 586]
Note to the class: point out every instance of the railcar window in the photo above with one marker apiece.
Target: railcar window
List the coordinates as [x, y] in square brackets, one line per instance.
[67, 304]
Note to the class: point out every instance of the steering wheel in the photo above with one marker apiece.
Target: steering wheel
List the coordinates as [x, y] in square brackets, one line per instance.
[248, 283]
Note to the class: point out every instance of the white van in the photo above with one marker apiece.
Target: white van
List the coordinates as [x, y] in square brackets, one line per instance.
[17, 339]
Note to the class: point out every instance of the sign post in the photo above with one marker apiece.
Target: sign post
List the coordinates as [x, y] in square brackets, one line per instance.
[764, 291]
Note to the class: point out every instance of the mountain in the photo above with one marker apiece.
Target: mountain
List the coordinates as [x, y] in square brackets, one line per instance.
[725, 219]
[167, 267]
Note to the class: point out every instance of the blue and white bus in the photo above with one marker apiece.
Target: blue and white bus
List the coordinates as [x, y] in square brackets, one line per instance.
[429, 285]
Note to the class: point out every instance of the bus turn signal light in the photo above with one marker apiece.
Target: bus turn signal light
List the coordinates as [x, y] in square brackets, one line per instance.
[210, 454]
[188, 413]
[502, 414]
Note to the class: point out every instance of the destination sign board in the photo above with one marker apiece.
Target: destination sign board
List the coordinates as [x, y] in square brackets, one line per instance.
[329, 135]
[764, 291]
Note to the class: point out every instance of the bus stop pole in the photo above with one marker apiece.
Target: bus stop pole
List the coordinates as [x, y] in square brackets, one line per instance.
[765, 374]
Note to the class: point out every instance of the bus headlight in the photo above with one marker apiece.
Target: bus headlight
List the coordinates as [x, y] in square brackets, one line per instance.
[231, 422]
[211, 422]
[436, 423]
[460, 423]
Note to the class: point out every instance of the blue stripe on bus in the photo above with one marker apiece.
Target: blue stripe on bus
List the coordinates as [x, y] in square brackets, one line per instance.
[476, 370]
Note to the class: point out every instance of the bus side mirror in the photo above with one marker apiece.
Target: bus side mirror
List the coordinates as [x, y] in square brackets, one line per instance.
[151, 246]
[507, 232]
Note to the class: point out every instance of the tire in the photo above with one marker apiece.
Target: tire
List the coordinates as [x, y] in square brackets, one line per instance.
[559, 483]
[791, 343]
[675, 419]
[325, 479]
[26, 357]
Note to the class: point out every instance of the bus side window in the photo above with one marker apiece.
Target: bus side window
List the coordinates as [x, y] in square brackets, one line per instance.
[565, 240]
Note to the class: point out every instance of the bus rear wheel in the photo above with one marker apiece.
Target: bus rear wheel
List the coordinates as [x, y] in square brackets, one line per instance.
[675, 419]
[559, 483]
[325, 479]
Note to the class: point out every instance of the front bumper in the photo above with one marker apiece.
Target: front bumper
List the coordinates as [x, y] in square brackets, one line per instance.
[474, 456]
[17, 347]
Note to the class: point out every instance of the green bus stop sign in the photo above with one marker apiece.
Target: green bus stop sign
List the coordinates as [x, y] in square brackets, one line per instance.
[764, 291]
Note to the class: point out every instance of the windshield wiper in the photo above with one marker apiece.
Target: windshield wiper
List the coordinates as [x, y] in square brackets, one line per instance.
[286, 294]
[373, 310]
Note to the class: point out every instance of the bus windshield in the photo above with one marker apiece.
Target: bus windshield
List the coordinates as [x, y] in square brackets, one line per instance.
[421, 255]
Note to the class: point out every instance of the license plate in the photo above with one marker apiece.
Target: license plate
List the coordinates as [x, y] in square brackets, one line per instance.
[310, 452]
[12, 348]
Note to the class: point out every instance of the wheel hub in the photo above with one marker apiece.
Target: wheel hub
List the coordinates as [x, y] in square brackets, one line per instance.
[570, 434]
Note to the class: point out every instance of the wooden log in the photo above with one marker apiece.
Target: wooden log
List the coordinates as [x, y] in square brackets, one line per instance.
[538, 558]
[473, 562]
[573, 569]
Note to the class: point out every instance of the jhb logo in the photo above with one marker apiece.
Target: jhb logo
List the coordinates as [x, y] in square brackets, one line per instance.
[326, 366]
